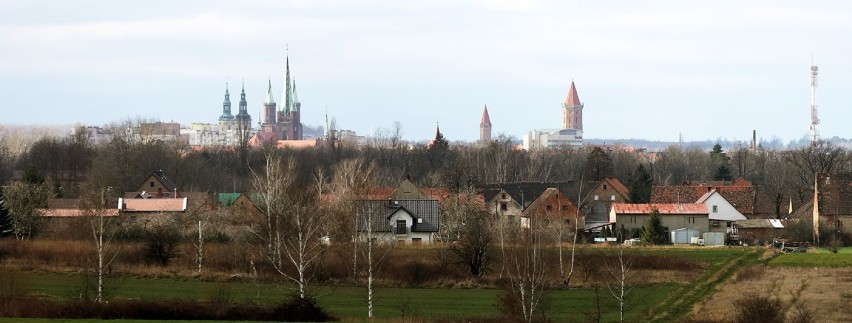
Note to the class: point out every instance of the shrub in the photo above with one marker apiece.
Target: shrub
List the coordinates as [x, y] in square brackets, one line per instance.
[802, 314]
[161, 244]
[757, 308]
[301, 309]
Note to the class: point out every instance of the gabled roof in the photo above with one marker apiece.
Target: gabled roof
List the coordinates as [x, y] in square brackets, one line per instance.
[741, 197]
[539, 205]
[160, 176]
[573, 98]
[615, 184]
[407, 191]
[380, 210]
[152, 205]
[663, 209]
[526, 192]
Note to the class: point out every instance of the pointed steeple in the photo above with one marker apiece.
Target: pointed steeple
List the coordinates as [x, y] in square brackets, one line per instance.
[486, 120]
[572, 99]
[243, 102]
[285, 97]
[485, 127]
[295, 102]
[269, 98]
[226, 106]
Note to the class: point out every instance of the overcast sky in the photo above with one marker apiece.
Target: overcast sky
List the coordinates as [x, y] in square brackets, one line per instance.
[643, 69]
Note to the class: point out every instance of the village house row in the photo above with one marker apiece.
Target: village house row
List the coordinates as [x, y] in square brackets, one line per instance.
[711, 212]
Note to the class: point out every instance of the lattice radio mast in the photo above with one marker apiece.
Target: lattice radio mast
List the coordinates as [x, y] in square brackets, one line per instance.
[814, 134]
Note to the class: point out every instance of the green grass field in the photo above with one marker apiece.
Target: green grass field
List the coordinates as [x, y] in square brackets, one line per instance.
[351, 301]
[841, 259]
[662, 301]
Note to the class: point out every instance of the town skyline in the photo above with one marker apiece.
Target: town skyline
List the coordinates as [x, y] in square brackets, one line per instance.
[653, 72]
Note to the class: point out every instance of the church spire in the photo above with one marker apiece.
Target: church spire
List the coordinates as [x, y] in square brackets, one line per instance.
[286, 96]
[243, 103]
[226, 106]
[269, 99]
[295, 102]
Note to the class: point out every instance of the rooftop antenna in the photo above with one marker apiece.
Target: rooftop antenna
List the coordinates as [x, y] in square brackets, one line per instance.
[812, 131]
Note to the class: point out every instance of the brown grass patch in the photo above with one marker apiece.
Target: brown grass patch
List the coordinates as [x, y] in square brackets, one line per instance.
[820, 290]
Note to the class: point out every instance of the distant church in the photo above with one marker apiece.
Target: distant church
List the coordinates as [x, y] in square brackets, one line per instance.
[571, 133]
[284, 123]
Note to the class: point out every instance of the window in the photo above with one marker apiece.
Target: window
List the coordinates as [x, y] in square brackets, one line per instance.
[152, 184]
[692, 219]
[612, 197]
[715, 208]
[503, 196]
[400, 227]
[564, 207]
[596, 197]
[715, 223]
[549, 207]
[632, 219]
[503, 206]
[604, 186]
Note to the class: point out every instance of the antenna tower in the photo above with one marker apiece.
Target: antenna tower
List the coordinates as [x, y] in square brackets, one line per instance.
[814, 134]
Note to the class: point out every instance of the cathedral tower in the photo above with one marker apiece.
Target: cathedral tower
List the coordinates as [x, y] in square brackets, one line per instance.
[572, 110]
[243, 117]
[226, 107]
[485, 127]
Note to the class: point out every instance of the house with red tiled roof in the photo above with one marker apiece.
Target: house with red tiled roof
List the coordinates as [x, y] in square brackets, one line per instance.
[740, 193]
[554, 208]
[690, 216]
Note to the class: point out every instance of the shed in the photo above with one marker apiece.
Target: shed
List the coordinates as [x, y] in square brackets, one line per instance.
[683, 235]
[714, 238]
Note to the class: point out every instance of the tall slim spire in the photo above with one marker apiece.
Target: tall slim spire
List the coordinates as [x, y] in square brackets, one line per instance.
[285, 96]
[295, 98]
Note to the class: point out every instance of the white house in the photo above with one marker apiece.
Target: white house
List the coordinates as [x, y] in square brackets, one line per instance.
[404, 221]
[722, 214]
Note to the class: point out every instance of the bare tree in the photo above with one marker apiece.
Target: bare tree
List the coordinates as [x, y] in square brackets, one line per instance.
[526, 269]
[619, 286]
[473, 249]
[96, 208]
[292, 230]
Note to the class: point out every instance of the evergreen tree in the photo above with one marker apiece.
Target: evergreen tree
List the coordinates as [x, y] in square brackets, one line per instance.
[722, 163]
[437, 149]
[640, 185]
[723, 173]
[598, 165]
[653, 232]
[5, 219]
